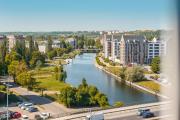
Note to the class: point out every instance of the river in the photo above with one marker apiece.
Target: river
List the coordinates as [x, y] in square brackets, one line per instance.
[82, 66]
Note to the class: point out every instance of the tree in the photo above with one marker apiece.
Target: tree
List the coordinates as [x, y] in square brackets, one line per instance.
[98, 44]
[49, 44]
[51, 54]
[31, 44]
[155, 64]
[134, 74]
[67, 96]
[20, 48]
[12, 69]
[36, 47]
[122, 74]
[3, 49]
[102, 100]
[25, 79]
[36, 55]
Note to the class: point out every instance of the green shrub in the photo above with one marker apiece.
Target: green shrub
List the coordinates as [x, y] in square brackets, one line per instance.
[118, 104]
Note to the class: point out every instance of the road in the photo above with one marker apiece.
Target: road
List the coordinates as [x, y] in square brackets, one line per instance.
[45, 104]
[124, 113]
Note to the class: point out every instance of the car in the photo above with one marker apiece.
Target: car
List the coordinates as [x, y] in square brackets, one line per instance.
[148, 114]
[15, 115]
[18, 103]
[44, 115]
[21, 104]
[25, 117]
[141, 111]
[23, 107]
[28, 107]
[32, 109]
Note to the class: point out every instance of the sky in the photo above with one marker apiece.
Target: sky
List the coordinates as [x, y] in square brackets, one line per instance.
[80, 15]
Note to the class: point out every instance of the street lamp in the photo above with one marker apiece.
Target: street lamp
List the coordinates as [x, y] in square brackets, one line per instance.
[7, 90]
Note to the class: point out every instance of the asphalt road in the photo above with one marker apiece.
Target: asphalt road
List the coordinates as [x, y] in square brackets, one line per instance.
[125, 115]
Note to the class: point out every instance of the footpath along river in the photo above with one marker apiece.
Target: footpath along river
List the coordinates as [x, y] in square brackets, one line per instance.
[82, 66]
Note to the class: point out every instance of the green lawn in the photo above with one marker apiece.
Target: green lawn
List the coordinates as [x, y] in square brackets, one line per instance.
[150, 85]
[45, 79]
[114, 70]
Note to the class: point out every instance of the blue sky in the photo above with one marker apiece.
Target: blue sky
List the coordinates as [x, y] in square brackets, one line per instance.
[73, 15]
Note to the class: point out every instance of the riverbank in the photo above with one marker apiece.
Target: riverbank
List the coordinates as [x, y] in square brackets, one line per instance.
[130, 83]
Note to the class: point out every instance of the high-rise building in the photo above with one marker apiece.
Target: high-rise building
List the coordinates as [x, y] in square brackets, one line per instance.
[133, 49]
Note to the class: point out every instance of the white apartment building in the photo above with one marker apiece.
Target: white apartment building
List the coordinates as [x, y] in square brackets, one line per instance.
[11, 41]
[156, 47]
[112, 47]
[107, 48]
[56, 44]
[115, 50]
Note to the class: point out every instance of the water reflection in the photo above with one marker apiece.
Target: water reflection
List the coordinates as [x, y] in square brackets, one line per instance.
[83, 67]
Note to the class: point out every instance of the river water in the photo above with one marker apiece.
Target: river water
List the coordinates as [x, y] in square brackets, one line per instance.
[83, 66]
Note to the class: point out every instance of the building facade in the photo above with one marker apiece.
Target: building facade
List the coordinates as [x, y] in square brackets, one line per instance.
[133, 49]
[156, 47]
[125, 48]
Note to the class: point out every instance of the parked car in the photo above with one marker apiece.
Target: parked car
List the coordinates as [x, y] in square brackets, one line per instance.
[148, 114]
[21, 104]
[44, 115]
[32, 109]
[141, 111]
[15, 115]
[18, 103]
[23, 107]
[25, 117]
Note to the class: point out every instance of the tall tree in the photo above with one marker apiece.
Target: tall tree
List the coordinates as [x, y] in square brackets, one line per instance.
[49, 43]
[155, 64]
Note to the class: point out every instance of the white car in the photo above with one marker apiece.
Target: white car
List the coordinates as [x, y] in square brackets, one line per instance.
[95, 116]
[28, 107]
[44, 115]
[23, 107]
[25, 117]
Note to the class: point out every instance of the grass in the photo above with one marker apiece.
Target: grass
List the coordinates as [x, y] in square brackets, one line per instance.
[114, 70]
[45, 79]
[150, 85]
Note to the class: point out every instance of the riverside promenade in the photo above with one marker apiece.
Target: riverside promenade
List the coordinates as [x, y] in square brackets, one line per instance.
[130, 83]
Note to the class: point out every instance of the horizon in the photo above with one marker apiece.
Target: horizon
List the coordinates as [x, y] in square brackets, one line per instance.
[90, 15]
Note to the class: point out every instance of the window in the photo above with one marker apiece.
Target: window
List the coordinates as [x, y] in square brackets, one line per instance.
[156, 51]
[150, 44]
[150, 53]
[156, 47]
[156, 44]
[150, 47]
[150, 50]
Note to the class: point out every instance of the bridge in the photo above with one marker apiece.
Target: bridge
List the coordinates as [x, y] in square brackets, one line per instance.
[126, 113]
[90, 50]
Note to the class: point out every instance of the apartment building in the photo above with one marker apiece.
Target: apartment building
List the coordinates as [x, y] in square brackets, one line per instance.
[12, 40]
[107, 46]
[125, 49]
[72, 42]
[115, 48]
[133, 49]
[156, 47]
